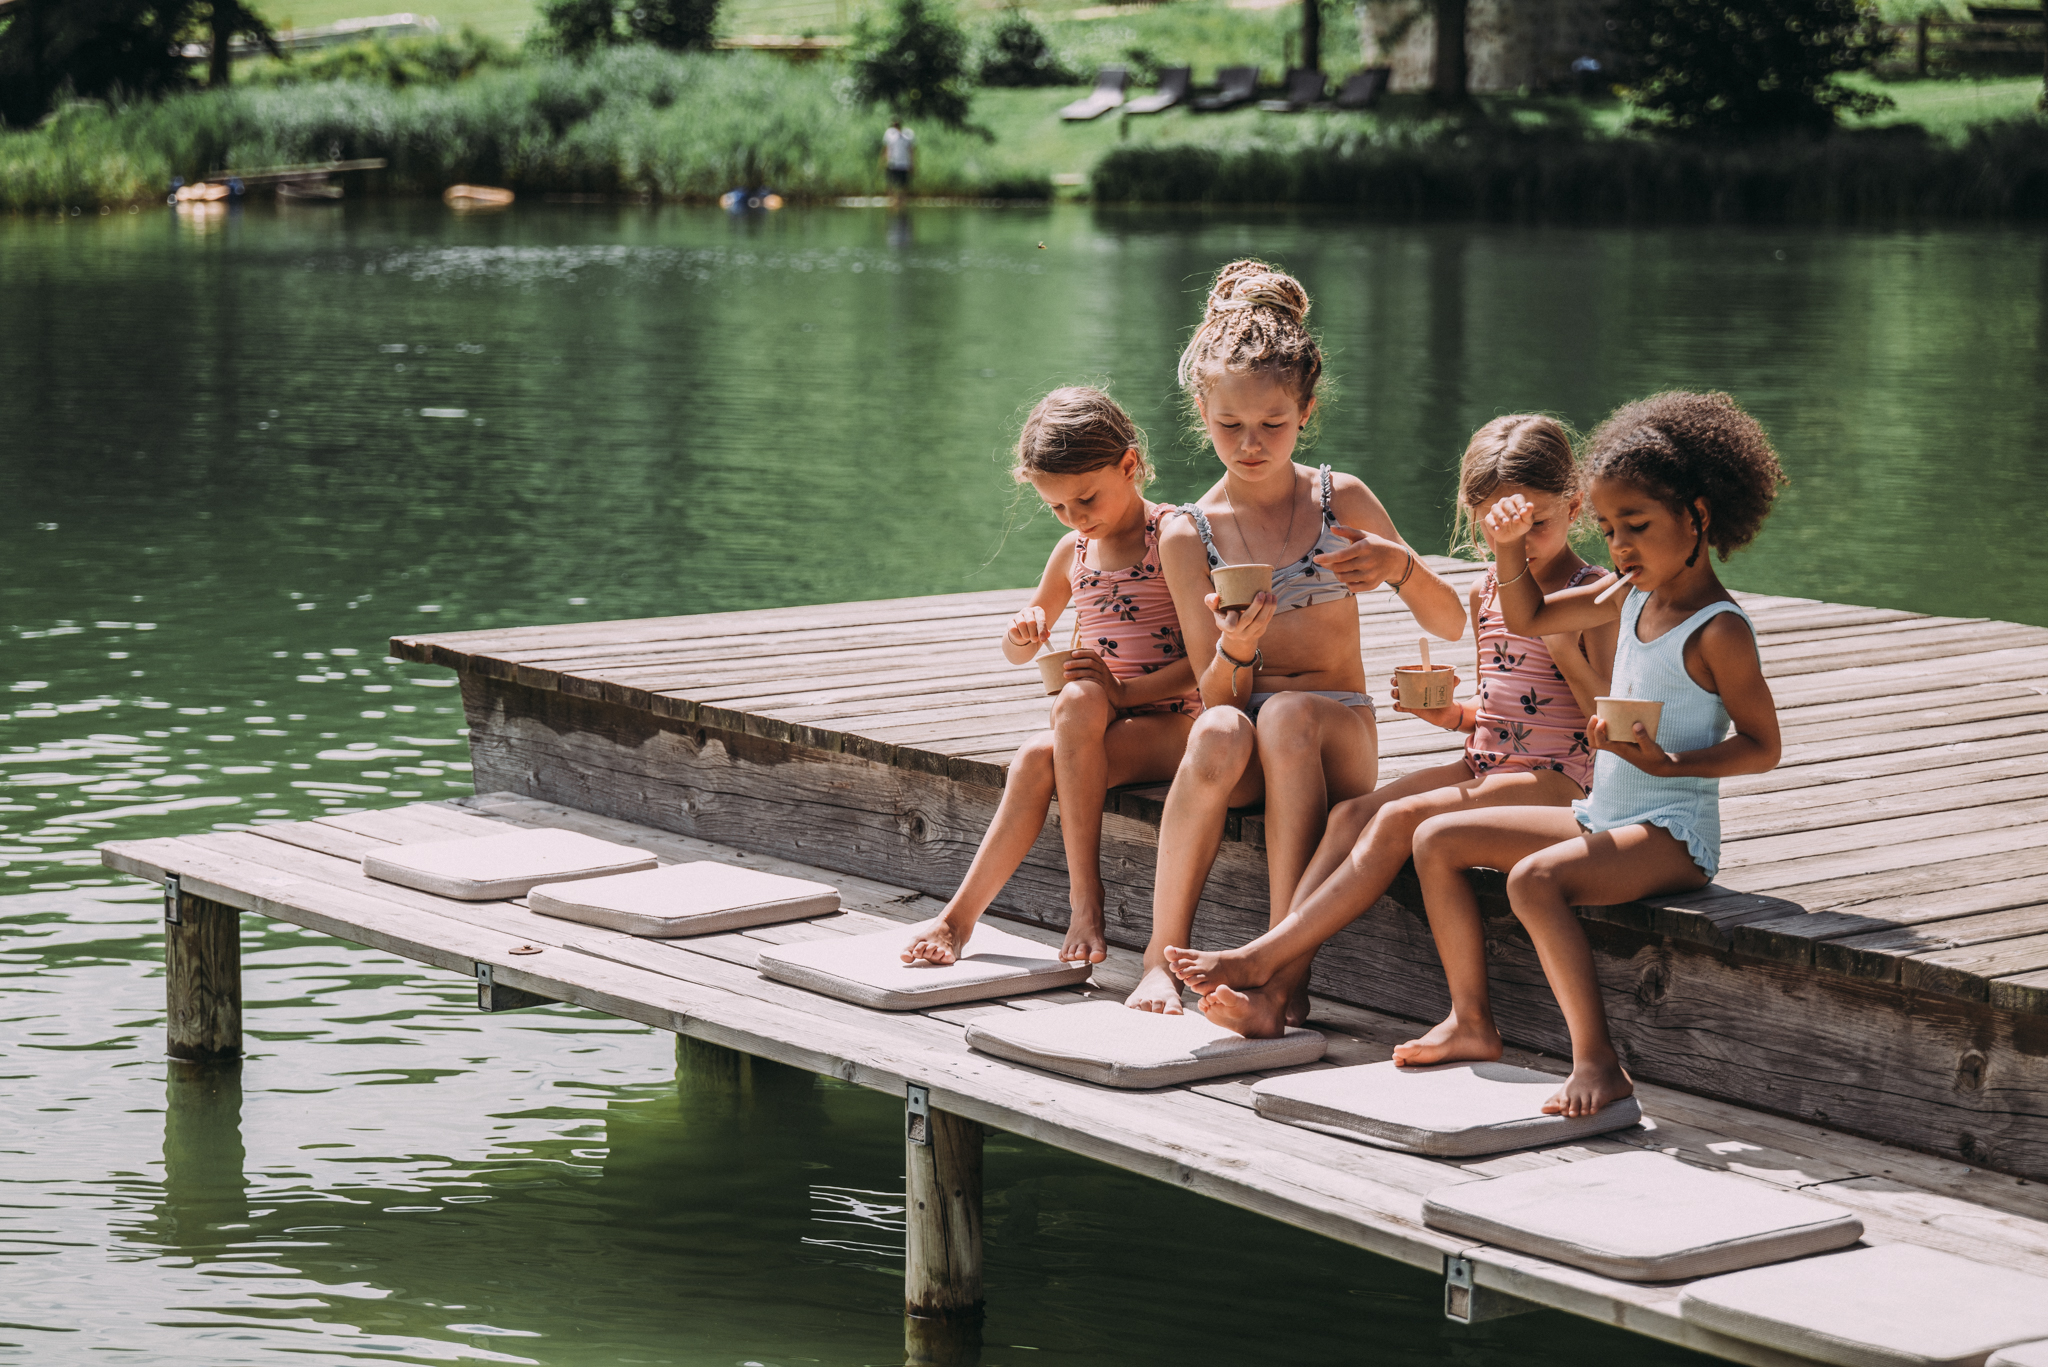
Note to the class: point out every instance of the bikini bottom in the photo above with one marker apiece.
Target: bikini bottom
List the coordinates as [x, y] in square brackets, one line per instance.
[1348, 699]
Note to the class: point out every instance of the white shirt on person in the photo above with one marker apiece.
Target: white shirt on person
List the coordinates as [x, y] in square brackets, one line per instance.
[896, 145]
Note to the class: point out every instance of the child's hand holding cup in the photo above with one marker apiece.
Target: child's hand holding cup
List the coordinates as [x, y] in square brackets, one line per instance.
[1426, 690]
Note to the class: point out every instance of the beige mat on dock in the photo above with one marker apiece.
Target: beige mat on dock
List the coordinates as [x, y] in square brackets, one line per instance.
[1641, 1217]
[868, 970]
[1900, 1305]
[1109, 1043]
[483, 868]
[1454, 1110]
[2022, 1355]
[699, 898]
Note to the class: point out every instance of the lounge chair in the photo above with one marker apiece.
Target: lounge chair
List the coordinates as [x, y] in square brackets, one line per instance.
[1173, 89]
[1235, 85]
[1305, 87]
[1362, 89]
[1110, 84]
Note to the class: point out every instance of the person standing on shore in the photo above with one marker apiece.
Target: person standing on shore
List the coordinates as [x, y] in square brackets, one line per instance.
[899, 158]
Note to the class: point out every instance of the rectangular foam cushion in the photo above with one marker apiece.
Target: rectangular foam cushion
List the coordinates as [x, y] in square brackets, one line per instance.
[1109, 1043]
[482, 868]
[698, 898]
[1452, 1110]
[1641, 1217]
[1898, 1305]
[2033, 1354]
[869, 969]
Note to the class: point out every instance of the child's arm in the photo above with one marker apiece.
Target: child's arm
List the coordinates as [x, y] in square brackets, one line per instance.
[1377, 555]
[1031, 628]
[1175, 681]
[1724, 652]
[1586, 659]
[1527, 611]
[1206, 631]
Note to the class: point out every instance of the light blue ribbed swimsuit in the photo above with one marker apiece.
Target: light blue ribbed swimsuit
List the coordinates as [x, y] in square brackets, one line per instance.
[1693, 719]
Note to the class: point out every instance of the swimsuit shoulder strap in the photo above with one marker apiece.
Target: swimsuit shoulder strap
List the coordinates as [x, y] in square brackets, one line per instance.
[1202, 526]
[1329, 513]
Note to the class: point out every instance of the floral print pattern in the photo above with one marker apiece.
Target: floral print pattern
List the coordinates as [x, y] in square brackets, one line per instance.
[1127, 616]
[1536, 726]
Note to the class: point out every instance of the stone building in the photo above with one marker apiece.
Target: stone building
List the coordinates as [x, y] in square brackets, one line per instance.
[1510, 44]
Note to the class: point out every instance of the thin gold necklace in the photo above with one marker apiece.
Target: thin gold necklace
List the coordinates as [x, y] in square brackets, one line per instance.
[1237, 518]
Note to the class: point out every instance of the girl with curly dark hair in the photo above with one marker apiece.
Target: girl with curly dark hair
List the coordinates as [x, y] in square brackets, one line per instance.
[1673, 478]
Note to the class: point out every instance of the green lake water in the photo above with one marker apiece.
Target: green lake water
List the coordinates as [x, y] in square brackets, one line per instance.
[221, 491]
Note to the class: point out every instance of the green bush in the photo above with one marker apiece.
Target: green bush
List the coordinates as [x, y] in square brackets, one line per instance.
[1744, 68]
[426, 59]
[915, 63]
[1018, 55]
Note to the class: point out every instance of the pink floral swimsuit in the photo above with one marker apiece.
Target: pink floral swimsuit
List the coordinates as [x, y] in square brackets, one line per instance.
[1127, 616]
[1528, 719]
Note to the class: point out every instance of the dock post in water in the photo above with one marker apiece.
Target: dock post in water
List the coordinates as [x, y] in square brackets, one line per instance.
[202, 977]
[942, 1229]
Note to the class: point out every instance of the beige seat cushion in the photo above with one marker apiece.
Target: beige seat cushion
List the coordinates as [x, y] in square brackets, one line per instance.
[869, 971]
[1456, 1109]
[2033, 1354]
[1641, 1217]
[482, 868]
[698, 898]
[1898, 1305]
[1109, 1043]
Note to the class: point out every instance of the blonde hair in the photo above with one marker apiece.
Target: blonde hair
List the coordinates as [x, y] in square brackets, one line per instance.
[1254, 323]
[1074, 431]
[1529, 449]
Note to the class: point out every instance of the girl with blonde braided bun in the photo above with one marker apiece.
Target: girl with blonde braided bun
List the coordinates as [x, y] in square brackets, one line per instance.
[1285, 716]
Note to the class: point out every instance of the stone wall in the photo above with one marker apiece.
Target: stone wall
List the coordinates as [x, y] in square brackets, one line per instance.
[1510, 44]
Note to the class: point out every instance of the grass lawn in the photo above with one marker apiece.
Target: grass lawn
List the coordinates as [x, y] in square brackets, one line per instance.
[1948, 108]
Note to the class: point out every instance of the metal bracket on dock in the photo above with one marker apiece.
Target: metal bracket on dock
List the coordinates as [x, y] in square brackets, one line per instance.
[917, 1114]
[1467, 1302]
[490, 996]
[173, 911]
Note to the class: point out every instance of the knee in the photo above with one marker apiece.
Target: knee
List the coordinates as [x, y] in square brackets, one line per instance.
[1534, 877]
[1402, 817]
[1082, 703]
[1287, 723]
[1218, 746]
[1033, 763]
[1433, 840]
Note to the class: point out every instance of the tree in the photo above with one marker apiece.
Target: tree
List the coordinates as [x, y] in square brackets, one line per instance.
[916, 64]
[576, 28]
[678, 25]
[227, 20]
[93, 48]
[1449, 80]
[1019, 55]
[1744, 68]
[1312, 34]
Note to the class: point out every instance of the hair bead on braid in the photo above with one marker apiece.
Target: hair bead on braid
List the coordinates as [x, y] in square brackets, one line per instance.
[1254, 324]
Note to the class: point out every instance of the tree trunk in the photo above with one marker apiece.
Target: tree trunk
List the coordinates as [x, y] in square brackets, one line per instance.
[1448, 82]
[220, 62]
[1312, 34]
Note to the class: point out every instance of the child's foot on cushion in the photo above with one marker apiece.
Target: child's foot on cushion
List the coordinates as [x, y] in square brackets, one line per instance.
[1085, 943]
[1207, 970]
[1156, 991]
[1297, 1004]
[1451, 1041]
[1258, 1014]
[1593, 1084]
[935, 942]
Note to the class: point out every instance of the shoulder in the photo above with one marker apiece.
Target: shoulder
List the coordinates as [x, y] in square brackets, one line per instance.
[1176, 528]
[1727, 632]
[1063, 549]
[1351, 490]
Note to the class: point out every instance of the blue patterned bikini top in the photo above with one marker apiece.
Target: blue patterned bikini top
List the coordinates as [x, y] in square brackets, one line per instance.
[1303, 583]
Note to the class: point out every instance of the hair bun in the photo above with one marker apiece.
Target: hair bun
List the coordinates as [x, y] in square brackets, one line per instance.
[1254, 284]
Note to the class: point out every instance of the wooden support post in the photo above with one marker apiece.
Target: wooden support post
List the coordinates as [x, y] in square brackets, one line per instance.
[202, 977]
[942, 1227]
[707, 1070]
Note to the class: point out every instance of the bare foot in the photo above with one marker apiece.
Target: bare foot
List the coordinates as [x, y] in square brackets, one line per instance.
[1451, 1041]
[1085, 943]
[1593, 1083]
[1210, 969]
[935, 942]
[1260, 1014]
[1297, 1005]
[1156, 991]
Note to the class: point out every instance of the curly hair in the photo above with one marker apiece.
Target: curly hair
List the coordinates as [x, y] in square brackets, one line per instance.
[1074, 431]
[1530, 449]
[1254, 323]
[1680, 448]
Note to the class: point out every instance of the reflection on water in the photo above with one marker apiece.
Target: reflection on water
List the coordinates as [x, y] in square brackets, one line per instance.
[229, 484]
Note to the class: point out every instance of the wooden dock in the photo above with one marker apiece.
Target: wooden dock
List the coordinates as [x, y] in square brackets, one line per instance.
[1204, 1137]
[1875, 959]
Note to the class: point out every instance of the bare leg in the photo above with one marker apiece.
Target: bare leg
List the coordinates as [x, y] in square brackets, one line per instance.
[1144, 749]
[1217, 772]
[1348, 819]
[1020, 816]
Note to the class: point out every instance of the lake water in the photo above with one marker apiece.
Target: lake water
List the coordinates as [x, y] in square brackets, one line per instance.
[239, 453]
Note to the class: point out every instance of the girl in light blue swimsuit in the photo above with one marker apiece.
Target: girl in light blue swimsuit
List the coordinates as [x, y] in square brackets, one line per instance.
[1672, 477]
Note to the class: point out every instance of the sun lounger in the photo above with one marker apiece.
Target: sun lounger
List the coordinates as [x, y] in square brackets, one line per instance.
[1903, 1305]
[1110, 84]
[699, 898]
[1173, 88]
[868, 970]
[1108, 1043]
[483, 868]
[1641, 1217]
[1362, 89]
[1455, 1110]
[1304, 87]
[1235, 85]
